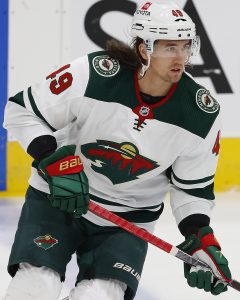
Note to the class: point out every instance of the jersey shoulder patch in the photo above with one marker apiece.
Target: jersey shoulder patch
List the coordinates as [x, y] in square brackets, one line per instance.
[198, 106]
[202, 96]
[109, 80]
[104, 65]
[206, 102]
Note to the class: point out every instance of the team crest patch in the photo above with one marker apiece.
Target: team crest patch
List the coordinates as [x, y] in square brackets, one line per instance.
[206, 102]
[119, 162]
[105, 65]
[45, 241]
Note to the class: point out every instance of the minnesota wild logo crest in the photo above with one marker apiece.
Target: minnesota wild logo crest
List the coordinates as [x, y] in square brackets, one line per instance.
[105, 65]
[119, 162]
[45, 241]
[206, 102]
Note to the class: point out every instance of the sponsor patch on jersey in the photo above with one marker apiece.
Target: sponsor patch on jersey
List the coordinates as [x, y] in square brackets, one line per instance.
[105, 65]
[206, 102]
[45, 241]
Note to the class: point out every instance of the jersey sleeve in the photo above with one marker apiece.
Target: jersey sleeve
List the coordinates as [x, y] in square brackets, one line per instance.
[192, 176]
[44, 108]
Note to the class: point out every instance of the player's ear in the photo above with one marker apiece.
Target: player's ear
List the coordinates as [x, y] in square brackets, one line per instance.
[143, 51]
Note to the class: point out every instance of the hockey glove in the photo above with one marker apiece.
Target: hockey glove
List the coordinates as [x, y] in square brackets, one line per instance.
[206, 248]
[68, 184]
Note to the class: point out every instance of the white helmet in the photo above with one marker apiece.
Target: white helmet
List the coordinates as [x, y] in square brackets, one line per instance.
[163, 21]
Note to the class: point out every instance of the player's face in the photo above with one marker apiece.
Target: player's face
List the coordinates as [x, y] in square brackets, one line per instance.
[168, 60]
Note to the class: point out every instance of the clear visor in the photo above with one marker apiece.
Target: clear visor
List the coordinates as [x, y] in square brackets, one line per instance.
[184, 49]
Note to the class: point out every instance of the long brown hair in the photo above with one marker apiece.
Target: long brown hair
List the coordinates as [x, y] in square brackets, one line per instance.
[125, 54]
[130, 55]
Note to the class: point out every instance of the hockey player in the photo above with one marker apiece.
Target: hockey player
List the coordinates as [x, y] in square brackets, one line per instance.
[122, 127]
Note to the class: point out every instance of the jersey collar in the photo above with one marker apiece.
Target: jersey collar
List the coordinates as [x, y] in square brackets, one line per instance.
[144, 110]
[161, 102]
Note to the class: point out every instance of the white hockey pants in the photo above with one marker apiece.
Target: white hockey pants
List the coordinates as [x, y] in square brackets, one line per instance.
[38, 283]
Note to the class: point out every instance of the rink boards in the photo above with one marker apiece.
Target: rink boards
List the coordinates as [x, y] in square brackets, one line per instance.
[30, 59]
[227, 176]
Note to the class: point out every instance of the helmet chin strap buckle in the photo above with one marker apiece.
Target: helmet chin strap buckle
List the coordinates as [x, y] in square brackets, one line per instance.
[145, 67]
[149, 49]
[149, 45]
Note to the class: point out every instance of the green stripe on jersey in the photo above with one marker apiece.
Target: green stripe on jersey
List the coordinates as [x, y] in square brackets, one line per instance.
[36, 110]
[141, 216]
[138, 215]
[206, 193]
[190, 182]
[103, 201]
[18, 99]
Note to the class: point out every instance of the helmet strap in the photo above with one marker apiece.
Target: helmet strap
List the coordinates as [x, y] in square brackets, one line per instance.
[145, 67]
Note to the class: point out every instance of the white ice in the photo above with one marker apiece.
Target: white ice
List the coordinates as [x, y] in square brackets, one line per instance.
[162, 278]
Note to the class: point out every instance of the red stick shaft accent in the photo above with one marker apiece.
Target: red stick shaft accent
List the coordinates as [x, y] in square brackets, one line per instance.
[130, 227]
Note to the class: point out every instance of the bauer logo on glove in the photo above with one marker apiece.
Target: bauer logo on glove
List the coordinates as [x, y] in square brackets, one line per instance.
[68, 183]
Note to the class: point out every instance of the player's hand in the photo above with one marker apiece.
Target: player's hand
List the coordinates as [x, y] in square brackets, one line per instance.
[68, 183]
[206, 248]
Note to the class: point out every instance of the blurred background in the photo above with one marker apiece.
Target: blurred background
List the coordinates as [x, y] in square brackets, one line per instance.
[37, 37]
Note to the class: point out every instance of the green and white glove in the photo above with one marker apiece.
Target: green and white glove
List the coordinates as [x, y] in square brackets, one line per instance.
[68, 183]
[206, 248]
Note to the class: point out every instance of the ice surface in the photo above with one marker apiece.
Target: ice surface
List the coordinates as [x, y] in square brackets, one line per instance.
[162, 278]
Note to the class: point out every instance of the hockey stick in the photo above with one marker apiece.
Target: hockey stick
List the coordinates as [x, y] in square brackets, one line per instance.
[150, 238]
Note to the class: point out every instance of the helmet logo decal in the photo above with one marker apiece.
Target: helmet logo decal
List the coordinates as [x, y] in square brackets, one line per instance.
[105, 65]
[146, 6]
[143, 12]
[144, 9]
[177, 13]
[206, 102]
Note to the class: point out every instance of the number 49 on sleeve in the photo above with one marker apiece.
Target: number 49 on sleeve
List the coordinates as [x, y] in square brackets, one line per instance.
[60, 83]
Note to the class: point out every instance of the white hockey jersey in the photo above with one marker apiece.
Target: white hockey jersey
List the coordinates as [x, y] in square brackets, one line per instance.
[133, 152]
